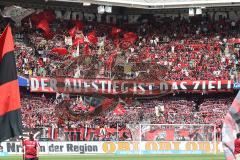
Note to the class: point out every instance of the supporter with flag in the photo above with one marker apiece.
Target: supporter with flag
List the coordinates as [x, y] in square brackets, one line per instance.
[10, 113]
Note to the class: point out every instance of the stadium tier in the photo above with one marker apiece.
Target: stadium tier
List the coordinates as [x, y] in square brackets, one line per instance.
[96, 78]
[194, 49]
[60, 122]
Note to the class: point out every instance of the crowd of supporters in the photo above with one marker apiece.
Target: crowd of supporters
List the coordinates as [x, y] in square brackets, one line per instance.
[198, 48]
[37, 111]
[42, 112]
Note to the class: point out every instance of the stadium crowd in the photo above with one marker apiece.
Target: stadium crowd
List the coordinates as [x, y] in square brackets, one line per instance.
[198, 48]
[42, 112]
[37, 111]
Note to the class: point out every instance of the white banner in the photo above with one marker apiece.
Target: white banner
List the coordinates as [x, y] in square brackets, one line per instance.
[16, 13]
[147, 147]
[108, 86]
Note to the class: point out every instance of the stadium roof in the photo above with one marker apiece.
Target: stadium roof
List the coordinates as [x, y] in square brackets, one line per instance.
[159, 4]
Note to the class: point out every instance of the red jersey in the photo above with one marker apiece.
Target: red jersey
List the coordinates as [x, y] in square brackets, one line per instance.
[237, 146]
[30, 148]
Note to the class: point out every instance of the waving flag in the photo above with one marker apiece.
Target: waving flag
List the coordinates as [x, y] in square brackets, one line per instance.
[78, 41]
[115, 31]
[130, 37]
[60, 51]
[78, 27]
[231, 128]
[72, 31]
[16, 13]
[10, 116]
[92, 37]
[44, 25]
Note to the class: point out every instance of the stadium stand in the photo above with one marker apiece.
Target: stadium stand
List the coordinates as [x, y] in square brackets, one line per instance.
[42, 112]
[198, 48]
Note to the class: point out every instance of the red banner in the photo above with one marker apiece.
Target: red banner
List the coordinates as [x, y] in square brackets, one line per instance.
[106, 86]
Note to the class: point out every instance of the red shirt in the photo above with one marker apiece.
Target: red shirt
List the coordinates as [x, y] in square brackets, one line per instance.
[30, 148]
[237, 146]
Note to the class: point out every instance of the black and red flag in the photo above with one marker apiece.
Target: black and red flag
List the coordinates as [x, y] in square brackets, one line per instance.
[10, 113]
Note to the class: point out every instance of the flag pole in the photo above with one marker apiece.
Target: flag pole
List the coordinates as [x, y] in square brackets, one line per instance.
[23, 152]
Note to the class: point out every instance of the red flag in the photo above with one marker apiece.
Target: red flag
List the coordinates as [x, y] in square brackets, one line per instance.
[92, 37]
[115, 31]
[43, 25]
[78, 41]
[61, 51]
[42, 20]
[119, 110]
[130, 37]
[10, 112]
[72, 31]
[78, 27]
